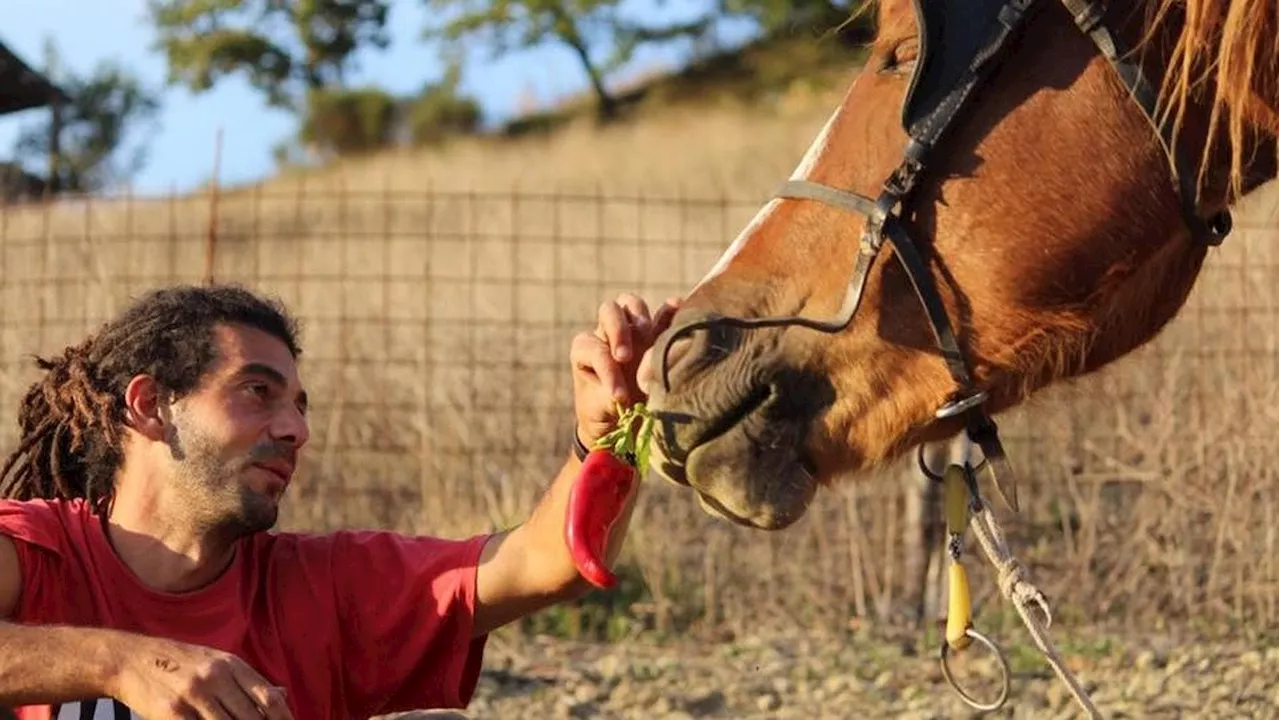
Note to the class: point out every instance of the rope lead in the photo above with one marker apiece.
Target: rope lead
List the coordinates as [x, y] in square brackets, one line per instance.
[961, 503]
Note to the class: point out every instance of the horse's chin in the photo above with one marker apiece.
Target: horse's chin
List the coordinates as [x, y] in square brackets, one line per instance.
[753, 474]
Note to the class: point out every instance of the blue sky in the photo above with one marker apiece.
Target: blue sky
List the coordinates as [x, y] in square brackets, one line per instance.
[180, 146]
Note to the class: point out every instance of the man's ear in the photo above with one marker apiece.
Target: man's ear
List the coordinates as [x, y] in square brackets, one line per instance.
[143, 407]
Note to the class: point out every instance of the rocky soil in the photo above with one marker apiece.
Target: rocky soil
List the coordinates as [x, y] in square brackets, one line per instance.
[859, 676]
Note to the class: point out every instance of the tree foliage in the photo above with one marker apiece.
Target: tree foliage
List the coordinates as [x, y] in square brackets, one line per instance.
[348, 121]
[298, 53]
[285, 49]
[598, 33]
[441, 110]
[344, 122]
[105, 107]
[774, 16]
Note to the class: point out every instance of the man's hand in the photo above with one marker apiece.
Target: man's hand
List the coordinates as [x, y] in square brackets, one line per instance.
[606, 361]
[162, 679]
[156, 678]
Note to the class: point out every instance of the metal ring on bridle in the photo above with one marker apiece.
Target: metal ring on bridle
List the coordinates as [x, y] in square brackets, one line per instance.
[1004, 674]
[924, 466]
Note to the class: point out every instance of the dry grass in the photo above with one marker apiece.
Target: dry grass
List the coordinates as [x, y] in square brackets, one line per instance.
[440, 291]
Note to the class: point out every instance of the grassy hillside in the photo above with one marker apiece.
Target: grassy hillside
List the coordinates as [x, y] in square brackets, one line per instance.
[728, 142]
[439, 290]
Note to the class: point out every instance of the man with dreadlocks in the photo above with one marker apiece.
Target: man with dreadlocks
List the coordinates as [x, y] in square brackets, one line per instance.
[137, 578]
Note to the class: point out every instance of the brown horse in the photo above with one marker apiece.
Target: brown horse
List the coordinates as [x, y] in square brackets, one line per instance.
[1049, 176]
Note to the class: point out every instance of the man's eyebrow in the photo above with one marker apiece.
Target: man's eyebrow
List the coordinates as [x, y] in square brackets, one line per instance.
[262, 369]
[257, 368]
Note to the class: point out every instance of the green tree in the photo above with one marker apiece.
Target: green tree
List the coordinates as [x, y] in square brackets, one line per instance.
[348, 121]
[104, 107]
[441, 110]
[284, 49]
[352, 121]
[596, 31]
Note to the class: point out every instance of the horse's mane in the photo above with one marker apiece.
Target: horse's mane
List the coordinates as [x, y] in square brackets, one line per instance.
[1233, 45]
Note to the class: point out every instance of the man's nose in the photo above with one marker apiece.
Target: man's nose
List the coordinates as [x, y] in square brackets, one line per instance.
[291, 426]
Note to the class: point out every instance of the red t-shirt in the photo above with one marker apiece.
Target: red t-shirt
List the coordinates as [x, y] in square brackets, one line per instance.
[352, 623]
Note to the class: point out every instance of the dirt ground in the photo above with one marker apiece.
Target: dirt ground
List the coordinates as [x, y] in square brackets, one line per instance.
[858, 675]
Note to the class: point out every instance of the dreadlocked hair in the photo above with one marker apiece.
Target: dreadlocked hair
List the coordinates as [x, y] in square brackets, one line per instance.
[72, 419]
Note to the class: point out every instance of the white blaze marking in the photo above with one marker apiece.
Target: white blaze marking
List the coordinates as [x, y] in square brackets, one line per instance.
[802, 171]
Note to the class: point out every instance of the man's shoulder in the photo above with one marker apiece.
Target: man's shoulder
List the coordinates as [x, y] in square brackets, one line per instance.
[45, 505]
[45, 523]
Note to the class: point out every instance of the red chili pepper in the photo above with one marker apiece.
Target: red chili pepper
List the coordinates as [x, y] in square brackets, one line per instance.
[599, 493]
[595, 503]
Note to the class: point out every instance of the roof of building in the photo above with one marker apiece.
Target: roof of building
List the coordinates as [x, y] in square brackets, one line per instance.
[22, 88]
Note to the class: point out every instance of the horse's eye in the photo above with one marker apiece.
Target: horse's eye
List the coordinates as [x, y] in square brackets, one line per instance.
[902, 58]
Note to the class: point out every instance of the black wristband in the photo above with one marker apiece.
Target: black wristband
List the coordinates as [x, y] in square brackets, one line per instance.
[579, 449]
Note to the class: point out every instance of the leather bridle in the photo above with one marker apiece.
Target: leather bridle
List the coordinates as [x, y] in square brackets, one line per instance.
[883, 213]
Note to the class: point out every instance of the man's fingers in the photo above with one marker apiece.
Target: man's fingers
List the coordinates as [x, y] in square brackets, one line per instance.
[236, 702]
[265, 699]
[637, 309]
[624, 325]
[662, 319]
[615, 329]
[589, 354]
[277, 708]
[209, 707]
[271, 700]
[252, 697]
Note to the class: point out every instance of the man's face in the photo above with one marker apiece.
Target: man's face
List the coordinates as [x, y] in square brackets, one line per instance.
[235, 439]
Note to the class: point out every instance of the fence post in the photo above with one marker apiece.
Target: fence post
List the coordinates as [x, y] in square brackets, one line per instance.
[211, 239]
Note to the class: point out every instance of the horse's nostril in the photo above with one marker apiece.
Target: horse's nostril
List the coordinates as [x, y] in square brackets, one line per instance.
[696, 345]
[682, 352]
[678, 351]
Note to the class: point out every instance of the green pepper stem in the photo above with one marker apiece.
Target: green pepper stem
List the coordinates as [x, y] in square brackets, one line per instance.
[628, 442]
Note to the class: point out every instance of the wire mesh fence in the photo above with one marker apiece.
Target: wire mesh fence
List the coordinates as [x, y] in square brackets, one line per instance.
[436, 332]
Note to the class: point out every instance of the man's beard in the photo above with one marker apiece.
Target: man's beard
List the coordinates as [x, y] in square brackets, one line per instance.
[214, 484]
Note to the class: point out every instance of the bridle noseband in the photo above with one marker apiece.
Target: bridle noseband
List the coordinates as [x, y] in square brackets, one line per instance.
[883, 214]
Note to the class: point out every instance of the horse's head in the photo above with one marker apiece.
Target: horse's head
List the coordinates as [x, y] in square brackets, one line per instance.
[1045, 231]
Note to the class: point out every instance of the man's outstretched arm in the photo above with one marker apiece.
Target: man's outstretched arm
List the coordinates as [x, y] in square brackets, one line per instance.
[529, 567]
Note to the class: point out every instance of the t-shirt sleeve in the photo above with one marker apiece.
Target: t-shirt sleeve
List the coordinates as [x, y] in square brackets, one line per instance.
[406, 607]
[34, 530]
